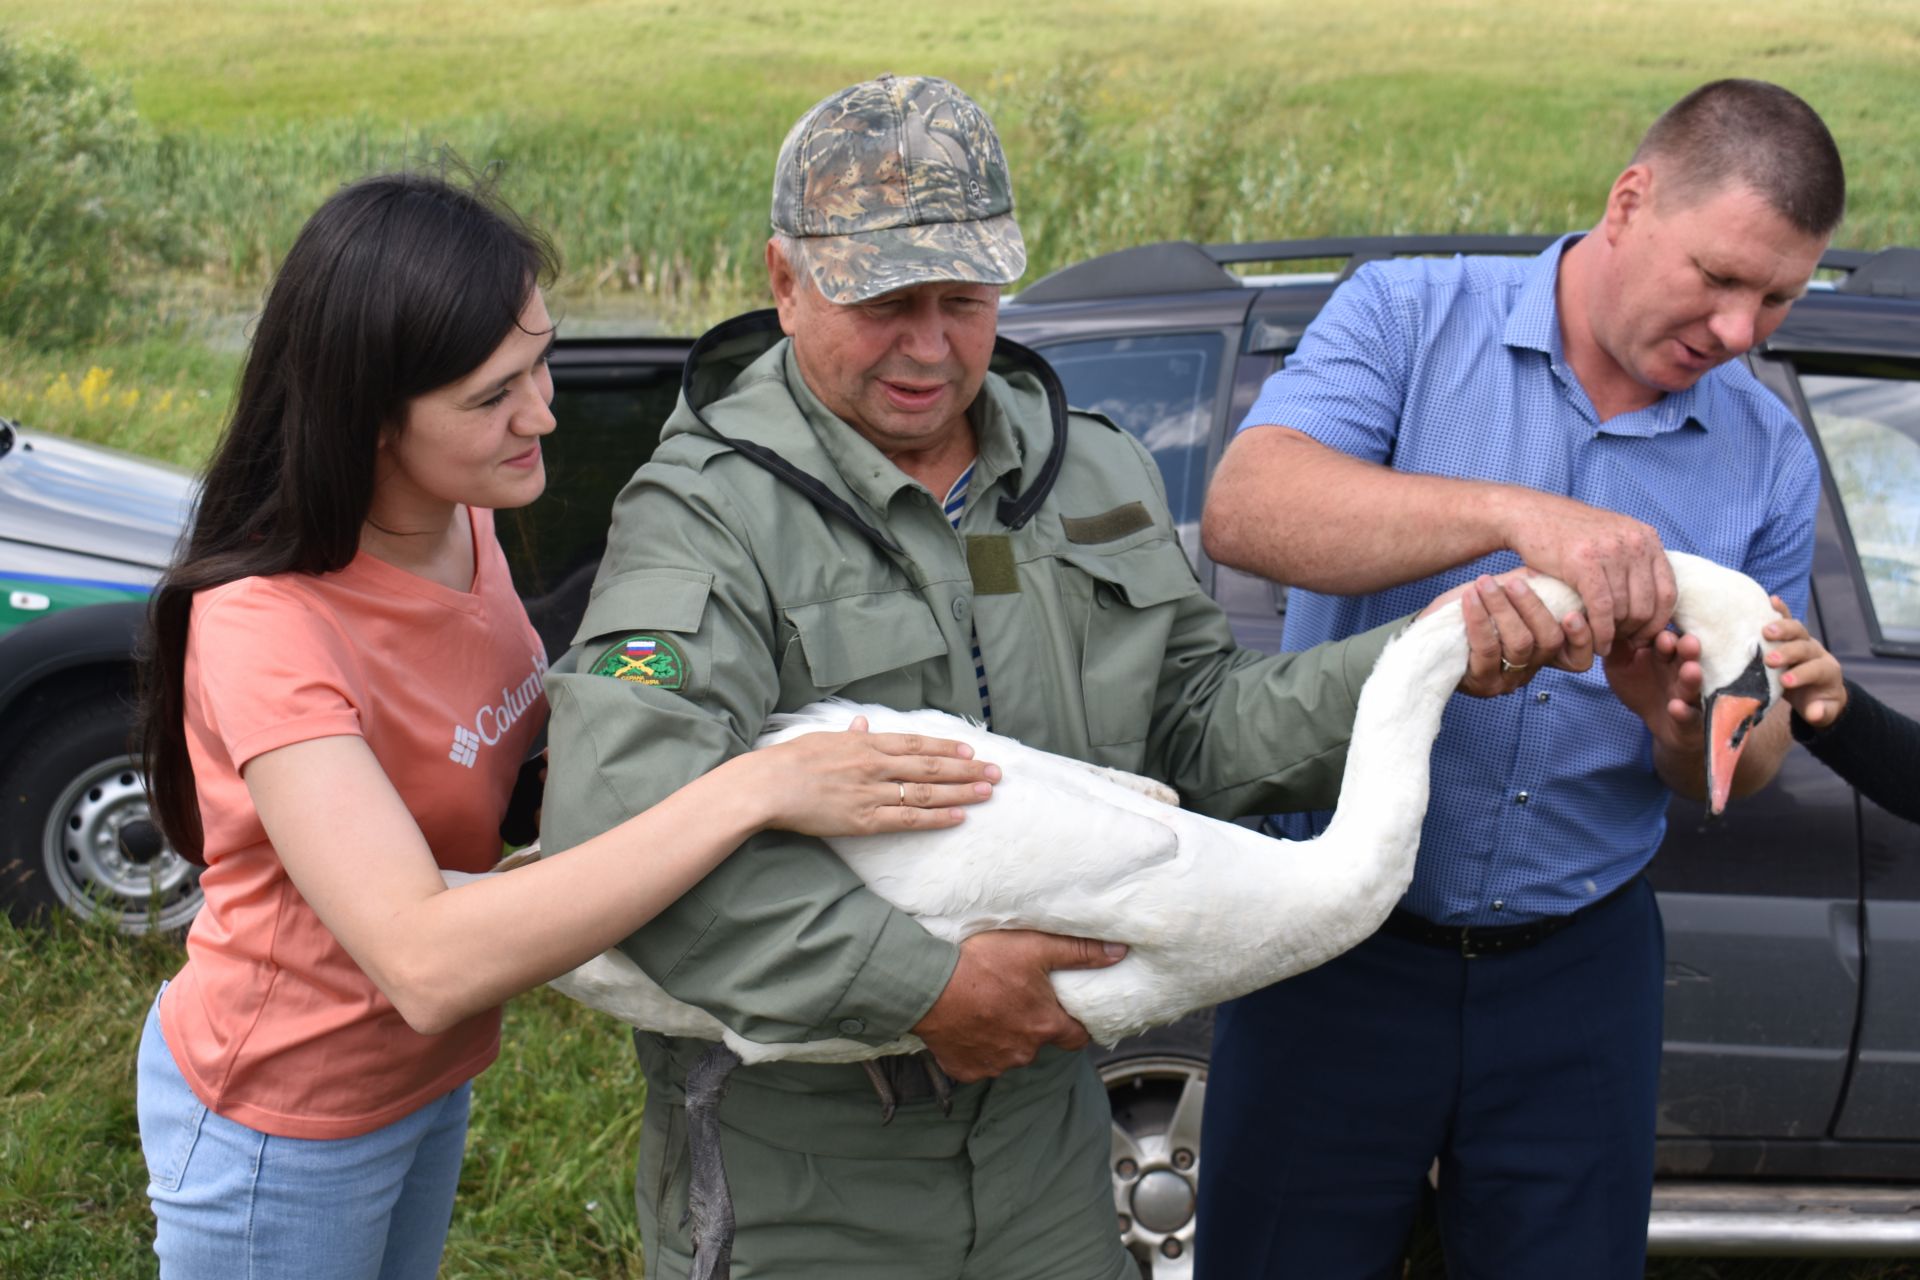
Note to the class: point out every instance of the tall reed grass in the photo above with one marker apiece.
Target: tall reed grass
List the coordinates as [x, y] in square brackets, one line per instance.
[661, 215]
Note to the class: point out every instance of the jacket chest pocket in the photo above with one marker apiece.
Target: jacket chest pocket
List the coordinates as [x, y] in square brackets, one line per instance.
[866, 647]
[1134, 598]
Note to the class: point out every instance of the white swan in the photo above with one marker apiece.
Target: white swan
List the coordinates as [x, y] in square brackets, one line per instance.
[1209, 910]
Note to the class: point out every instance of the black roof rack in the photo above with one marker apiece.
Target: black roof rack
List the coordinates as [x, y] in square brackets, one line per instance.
[1171, 266]
[1890, 273]
[1359, 250]
[1181, 266]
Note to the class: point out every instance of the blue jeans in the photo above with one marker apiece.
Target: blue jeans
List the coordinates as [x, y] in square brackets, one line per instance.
[231, 1201]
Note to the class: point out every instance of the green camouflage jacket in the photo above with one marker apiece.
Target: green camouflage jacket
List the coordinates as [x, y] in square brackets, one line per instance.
[768, 556]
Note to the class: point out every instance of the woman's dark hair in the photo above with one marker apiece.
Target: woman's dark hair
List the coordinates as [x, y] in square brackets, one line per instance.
[397, 285]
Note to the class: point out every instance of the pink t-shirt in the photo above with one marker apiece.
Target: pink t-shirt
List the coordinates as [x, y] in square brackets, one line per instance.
[271, 1022]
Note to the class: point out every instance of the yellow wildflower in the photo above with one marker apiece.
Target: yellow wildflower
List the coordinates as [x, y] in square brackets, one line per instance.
[93, 388]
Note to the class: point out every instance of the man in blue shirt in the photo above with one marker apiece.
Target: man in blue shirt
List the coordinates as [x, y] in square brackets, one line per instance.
[1578, 412]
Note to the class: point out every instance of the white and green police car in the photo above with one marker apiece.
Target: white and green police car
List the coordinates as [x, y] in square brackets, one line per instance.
[84, 534]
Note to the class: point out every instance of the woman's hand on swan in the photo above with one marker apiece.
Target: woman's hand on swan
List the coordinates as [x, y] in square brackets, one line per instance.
[857, 783]
[1661, 683]
[1810, 677]
[1511, 635]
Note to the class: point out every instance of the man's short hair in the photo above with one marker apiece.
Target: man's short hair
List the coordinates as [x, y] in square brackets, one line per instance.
[1754, 134]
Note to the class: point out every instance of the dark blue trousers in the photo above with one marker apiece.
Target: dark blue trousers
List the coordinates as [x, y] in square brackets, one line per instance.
[1531, 1076]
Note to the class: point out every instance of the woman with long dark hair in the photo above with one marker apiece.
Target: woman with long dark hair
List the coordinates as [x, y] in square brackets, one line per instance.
[341, 687]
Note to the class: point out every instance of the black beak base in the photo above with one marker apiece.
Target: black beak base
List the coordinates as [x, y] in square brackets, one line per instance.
[1748, 689]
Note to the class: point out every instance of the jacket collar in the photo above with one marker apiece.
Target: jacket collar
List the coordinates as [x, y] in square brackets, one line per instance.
[1019, 418]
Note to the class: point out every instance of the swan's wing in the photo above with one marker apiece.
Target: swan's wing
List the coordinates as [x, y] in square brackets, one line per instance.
[613, 984]
[1055, 848]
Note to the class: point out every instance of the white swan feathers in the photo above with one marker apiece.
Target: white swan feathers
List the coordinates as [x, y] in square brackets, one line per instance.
[1209, 910]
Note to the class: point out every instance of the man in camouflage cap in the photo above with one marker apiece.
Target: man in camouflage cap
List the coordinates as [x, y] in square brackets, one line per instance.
[893, 183]
[860, 495]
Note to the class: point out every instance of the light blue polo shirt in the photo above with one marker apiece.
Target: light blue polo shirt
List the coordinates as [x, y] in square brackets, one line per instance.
[1546, 799]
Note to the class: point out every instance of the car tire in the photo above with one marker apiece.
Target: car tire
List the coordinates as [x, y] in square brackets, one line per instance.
[76, 834]
[1156, 1087]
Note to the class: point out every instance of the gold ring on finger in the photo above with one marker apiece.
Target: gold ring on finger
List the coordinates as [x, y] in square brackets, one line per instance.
[1508, 667]
[903, 793]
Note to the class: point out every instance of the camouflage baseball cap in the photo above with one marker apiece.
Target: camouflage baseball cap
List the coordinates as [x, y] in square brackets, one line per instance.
[896, 182]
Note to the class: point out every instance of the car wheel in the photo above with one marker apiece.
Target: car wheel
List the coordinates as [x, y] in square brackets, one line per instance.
[77, 835]
[1156, 1086]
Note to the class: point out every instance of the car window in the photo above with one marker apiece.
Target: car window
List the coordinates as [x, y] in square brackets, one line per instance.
[1161, 389]
[606, 430]
[1870, 431]
[604, 433]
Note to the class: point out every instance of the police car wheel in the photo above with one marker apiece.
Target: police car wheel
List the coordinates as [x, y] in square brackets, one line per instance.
[77, 834]
[1156, 1086]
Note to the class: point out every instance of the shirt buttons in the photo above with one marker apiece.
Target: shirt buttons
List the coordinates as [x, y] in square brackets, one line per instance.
[959, 608]
[852, 1026]
[1499, 904]
[1541, 697]
[1520, 798]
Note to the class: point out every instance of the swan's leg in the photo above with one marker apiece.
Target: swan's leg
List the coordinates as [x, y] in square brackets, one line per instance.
[891, 1079]
[942, 1086]
[709, 1205]
[877, 1075]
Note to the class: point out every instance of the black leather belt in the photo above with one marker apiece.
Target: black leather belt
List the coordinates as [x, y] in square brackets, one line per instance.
[1472, 940]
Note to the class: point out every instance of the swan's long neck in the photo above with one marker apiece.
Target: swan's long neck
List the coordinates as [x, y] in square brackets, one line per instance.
[1383, 795]
[1384, 792]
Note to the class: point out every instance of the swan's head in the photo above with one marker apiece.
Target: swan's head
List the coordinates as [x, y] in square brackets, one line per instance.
[1728, 612]
[1732, 711]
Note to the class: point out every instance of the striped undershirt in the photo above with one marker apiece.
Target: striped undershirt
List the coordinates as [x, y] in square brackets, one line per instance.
[954, 504]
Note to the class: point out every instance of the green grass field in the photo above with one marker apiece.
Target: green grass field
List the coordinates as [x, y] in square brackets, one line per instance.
[641, 134]
[547, 1189]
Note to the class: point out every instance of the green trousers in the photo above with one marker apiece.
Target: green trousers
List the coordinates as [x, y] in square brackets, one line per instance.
[1013, 1186]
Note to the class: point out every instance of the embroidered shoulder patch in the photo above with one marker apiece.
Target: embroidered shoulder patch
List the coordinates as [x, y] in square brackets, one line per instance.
[644, 660]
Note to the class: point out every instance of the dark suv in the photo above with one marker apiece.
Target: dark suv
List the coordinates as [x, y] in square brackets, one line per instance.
[1793, 927]
[1790, 1104]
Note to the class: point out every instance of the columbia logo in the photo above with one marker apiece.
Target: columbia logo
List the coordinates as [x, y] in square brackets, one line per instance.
[466, 746]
